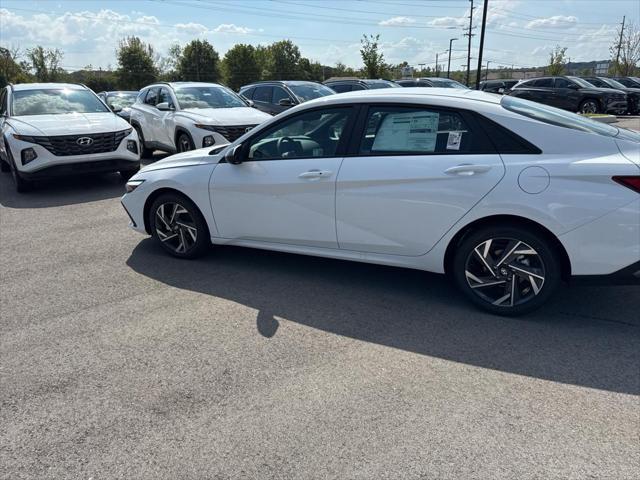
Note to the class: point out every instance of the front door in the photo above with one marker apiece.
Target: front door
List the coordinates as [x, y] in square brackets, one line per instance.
[414, 173]
[284, 190]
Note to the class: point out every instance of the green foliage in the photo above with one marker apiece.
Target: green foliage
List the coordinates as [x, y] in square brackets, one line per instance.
[627, 61]
[168, 65]
[557, 61]
[45, 63]
[372, 58]
[136, 66]
[97, 80]
[283, 61]
[199, 62]
[11, 71]
[240, 66]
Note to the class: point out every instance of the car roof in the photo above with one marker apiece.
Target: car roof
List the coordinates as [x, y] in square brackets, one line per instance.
[184, 84]
[118, 92]
[48, 86]
[281, 82]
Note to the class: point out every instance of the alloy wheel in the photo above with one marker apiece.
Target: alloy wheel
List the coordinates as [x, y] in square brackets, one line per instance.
[184, 144]
[589, 107]
[505, 272]
[176, 227]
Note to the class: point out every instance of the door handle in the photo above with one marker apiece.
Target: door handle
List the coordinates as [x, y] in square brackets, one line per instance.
[467, 169]
[316, 174]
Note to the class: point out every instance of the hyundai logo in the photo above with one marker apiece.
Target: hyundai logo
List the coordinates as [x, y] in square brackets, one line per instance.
[84, 141]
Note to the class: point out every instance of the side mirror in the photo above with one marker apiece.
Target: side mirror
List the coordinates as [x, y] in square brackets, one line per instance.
[250, 102]
[116, 108]
[165, 107]
[285, 102]
[501, 90]
[234, 155]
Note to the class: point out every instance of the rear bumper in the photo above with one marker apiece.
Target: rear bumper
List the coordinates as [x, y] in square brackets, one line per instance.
[79, 168]
[626, 276]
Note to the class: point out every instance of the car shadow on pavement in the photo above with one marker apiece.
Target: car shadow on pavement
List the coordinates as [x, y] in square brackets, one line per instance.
[57, 192]
[581, 338]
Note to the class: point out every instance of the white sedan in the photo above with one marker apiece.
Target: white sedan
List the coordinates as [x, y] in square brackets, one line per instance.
[506, 196]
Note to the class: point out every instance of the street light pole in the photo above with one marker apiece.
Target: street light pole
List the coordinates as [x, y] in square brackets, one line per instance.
[449, 62]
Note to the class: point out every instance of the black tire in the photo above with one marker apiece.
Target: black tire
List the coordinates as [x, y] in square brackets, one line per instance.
[184, 143]
[589, 105]
[127, 174]
[22, 185]
[511, 277]
[4, 166]
[183, 226]
[144, 151]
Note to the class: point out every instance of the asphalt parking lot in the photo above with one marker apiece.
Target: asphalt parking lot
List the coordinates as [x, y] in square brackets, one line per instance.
[120, 362]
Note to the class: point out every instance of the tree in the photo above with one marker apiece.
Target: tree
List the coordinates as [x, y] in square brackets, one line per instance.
[372, 58]
[240, 66]
[557, 61]
[97, 80]
[135, 64]
[283, 61]
[199, 62]
[341, 70]
[11, 70]
[168, 65]
[311, 71]
[629, 52]
[45, 63]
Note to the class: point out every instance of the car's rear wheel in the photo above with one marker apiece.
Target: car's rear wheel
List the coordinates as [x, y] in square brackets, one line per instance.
[589, 106]
[178, 226]
[507, 270]
[144, 151]
[184, 143]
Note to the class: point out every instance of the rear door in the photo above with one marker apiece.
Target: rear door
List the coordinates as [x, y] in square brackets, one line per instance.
[411, 173]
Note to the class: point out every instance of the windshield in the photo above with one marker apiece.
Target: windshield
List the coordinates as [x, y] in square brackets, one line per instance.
[122, 100]
[446, 83]
[207, 97]
[611, 82]
[373, 84]
[309, 91]
[557, 117]
[55, 102]
[581, 82]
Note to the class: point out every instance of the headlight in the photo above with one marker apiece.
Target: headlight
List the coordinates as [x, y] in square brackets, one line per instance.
[132, 185]
[24, 138]
[211, 128]
[128, 131]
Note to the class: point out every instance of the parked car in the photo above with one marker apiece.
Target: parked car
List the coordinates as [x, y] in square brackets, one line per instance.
[277, 96]
[507, 196]
[439, 82]
[633, 94]
[571, 93]
[498, 86]
[60, 129]
[181, 116]
[632, 82]
[354, 84]
[119, 102]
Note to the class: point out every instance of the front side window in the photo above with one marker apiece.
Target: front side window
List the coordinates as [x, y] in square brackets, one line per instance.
[279, 93]
[309, 91]
[164, 97]
[414, 130]
[152, 97]
[210, 96]
[307, 135]
[563, 83]
[55, 102]
[557, 117]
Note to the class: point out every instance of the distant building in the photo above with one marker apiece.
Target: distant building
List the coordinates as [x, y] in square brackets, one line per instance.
[406, 72]
[601, 68]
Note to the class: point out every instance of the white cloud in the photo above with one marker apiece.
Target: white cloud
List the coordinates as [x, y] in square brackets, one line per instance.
[231, 28]
[397, 21]
[557, 21]
[449, 21]
[192, 28]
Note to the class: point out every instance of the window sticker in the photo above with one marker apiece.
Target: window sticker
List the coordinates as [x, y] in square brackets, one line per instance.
[407, 132]
[453, 140]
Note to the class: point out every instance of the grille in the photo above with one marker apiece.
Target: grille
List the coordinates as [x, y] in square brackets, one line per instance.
[231, 133]
[66, 145]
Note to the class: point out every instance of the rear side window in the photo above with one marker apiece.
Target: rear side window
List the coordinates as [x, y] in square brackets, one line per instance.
[263, 94]
[357, 86]
[543, 82]
[414, 130]
[248, 93]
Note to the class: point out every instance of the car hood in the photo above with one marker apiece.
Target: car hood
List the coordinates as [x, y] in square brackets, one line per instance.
[68, 124]
[227, 116]
[604, 91]
[186, 159]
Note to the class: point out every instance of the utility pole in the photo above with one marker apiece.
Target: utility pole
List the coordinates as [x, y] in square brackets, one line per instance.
[484, 24]
[451, 40]
[437, 71]
[620, 44]
[469, 35]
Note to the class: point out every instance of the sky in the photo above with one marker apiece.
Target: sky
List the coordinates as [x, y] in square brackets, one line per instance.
[519, 32]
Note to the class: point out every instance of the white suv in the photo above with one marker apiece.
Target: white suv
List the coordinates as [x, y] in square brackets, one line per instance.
[182, 116]
[56, 129]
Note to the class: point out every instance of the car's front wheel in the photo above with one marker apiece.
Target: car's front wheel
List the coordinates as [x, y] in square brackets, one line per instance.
[184, 143]
[178, 226]
[589, 106]
[507, 270]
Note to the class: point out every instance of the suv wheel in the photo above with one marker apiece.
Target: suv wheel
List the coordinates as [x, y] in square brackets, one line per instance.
[589, 106]
[4, 166]
[507, 270]
[144, 151]
[184, 143]
[178, 226]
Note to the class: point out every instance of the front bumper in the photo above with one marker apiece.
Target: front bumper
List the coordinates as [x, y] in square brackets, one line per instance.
[616, 106]
[79, 168]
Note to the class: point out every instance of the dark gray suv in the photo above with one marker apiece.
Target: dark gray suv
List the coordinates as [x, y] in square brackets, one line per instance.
[277, 96]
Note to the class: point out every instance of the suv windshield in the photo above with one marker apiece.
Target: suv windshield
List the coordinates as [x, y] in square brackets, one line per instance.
[122, 100]
[309, 91]
[581, 82]
[446, 83]
[207, 97]
[381, 84]
[613, 83]
[557, 117]
[55, 102]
